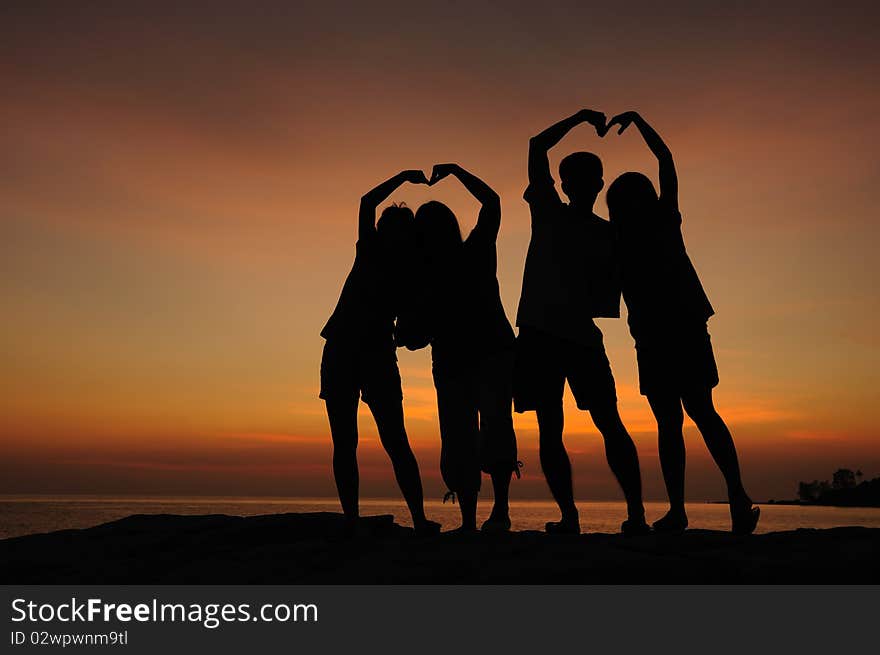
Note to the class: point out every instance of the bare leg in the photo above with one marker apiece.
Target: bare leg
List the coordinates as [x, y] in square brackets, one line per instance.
[499, 519]
[554, 459]
[701, 409]
[467, 503]
[670, 441]
[501, 491]
[620, 451]
[344, 432]
[392, 433]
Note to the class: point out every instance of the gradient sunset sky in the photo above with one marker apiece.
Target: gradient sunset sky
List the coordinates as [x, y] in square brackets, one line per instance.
[179, 196]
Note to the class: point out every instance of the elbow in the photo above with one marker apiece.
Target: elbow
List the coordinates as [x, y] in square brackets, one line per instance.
[367, 209]
[662, 152]
[538, 145]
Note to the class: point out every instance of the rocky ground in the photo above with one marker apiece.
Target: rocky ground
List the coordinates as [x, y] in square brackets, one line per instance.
[313, 549]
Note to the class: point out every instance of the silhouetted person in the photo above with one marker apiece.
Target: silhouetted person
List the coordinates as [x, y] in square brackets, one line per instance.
[668, 312]
[359, 359]
[570, 278]
[471, 349]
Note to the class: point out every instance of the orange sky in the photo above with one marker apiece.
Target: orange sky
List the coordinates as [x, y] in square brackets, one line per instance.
[179, 193]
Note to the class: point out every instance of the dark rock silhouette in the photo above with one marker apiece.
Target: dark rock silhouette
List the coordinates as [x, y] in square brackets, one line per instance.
[313, 549]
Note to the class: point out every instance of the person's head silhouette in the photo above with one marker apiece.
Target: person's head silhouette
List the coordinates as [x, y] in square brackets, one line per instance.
[439, 229]
[581, 176]
[395, 229]
[631, 200]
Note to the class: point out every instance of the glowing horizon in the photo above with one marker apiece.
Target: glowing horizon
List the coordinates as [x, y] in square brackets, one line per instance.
[179, 213]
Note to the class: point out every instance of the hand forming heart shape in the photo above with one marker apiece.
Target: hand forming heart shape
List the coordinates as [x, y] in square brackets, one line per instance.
[624, 120]
[595, 118]
[440, 171]
[414, 176]
[598, 120]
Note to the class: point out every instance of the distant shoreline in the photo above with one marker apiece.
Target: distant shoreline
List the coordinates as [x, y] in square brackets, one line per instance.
[800, 503]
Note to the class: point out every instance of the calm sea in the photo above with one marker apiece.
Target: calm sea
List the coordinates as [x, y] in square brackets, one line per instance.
[21, 515]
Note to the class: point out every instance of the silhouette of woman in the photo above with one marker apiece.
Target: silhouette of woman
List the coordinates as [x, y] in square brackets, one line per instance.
[471, 349]
[359, 358]
[668, 313]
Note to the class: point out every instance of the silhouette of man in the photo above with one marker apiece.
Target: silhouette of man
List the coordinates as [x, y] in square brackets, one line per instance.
[571, 277]
[668, 314]
[359, 359]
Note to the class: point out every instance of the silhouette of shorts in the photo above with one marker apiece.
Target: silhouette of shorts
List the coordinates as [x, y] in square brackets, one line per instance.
[675, 358]
[349, 372]
[544, 362]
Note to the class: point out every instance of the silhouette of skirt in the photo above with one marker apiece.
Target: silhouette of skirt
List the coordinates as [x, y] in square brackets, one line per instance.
[474, 402]
[674, 358]
[349, 372]
[544, 362]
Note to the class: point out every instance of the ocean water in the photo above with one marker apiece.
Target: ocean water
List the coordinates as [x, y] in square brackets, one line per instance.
[20, 515]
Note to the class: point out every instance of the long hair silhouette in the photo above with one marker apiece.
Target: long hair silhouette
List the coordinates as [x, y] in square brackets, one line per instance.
[438, 228]
[631, 199]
